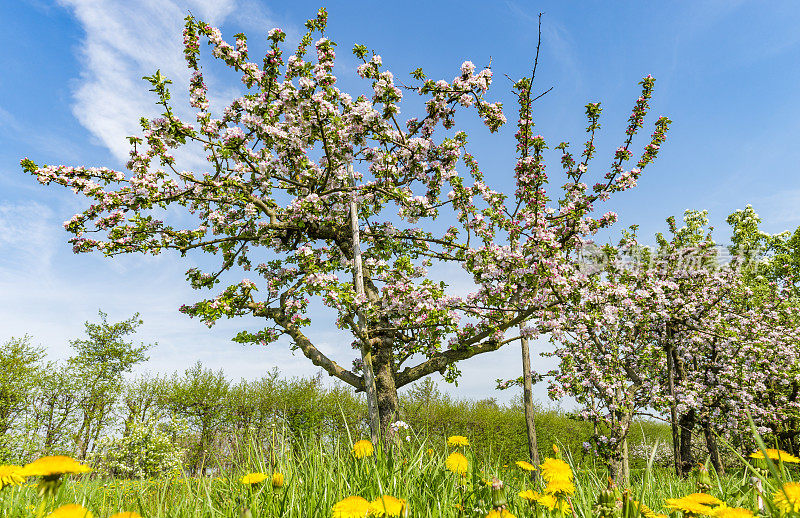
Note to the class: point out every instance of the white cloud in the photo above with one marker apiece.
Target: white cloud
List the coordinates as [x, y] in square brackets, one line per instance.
[6, 119]
[560, 43]
[212, 11]
[26, 239]
[125, 41]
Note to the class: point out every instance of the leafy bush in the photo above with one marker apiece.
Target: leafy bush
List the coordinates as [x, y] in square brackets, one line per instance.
[146, 451]
[644, 437]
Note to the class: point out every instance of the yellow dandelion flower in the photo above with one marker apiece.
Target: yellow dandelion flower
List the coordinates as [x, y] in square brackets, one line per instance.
[277, 479]
[457, 463]
[546, 500]
[555, 449]
[555, 469]
[11, 475]
[527, 466]
[696, 503]
[643, 509]
[54, 467]
[551, 503]
[788, 498]
[776, 455]
[457, 440]
[387, 506]
[705, 499]
[530, 495]
[732, 512]
[687, 507]
[503, 513]
[351, 507]
[561, 486]
[71, 511]
[253, 478]
[126, 514]
[363, 448]
[430, 452]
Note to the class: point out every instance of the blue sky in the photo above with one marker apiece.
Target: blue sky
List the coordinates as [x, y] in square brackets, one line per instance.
[70, 91]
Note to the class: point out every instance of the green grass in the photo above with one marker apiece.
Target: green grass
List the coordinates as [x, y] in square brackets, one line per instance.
[318, 476]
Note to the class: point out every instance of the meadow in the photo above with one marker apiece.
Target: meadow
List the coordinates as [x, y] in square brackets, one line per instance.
[198, 444]
[415, 476]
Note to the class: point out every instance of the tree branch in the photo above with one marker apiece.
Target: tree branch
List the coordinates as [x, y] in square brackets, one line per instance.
[443, 359]
[314, 354]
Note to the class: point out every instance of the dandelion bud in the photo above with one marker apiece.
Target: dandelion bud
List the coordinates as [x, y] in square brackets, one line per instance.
[702, 479]
[498, 493]
[557, 451]
[606, 505]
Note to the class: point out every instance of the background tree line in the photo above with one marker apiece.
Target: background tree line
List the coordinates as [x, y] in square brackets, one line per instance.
[88, 406]
[198, 421]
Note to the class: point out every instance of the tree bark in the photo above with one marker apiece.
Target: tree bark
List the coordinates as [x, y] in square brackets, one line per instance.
[130, 419]
[82, 437]
[527, 398]
[615, 469]
[713, 449]
[388, 403]
[618, 467]
[626, 467]
[673, 411]
[687, 422]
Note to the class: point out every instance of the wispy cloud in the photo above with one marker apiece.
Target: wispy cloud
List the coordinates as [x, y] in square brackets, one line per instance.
[44, 139]
[125, 41]
[256, 20]
[696, 20]
[26, 239]
[6, 119]
[559, 42]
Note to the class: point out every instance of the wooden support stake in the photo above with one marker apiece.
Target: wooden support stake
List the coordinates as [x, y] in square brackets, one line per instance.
[366, 350]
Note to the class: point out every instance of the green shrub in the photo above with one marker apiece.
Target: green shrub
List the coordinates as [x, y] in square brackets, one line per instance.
[145, 452]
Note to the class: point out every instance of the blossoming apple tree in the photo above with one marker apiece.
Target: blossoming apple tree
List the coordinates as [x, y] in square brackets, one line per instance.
[774, 267]
[611, 350]
[605, 350]
[675, 329]
[274, 203]
[729, 356]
